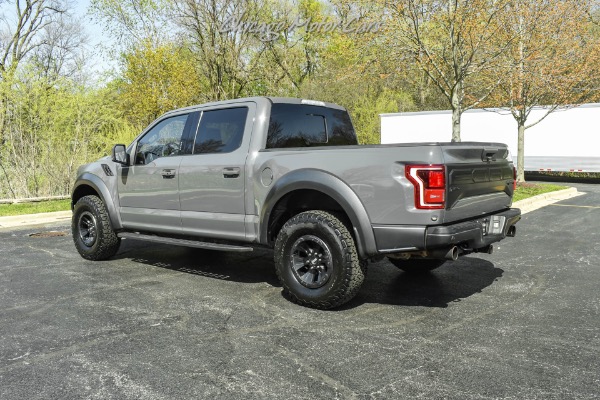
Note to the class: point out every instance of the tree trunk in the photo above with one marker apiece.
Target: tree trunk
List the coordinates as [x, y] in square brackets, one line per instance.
[521, 153]
[456, 114]
[456, 103]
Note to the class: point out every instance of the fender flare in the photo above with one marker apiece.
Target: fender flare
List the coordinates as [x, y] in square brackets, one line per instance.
[331, 186]
[93, 181]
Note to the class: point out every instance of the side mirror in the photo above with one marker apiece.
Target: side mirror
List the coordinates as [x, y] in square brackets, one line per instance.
[119, 154]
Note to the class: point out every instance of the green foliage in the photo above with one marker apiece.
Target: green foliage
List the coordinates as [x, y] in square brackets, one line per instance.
[350, 76]
[131, 21]
[365, 113]
[49, 129]
[156, 79]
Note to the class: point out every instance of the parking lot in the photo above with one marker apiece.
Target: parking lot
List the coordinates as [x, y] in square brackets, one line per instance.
[160, 322]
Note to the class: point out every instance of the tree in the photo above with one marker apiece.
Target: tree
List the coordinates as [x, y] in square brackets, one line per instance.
[452, 41]
[61, 52]
[552, 61]
[51, 129]
[158, 78]
[132, 22]
[22, 35]
[20, 38]
[352, 70]
[297, 50]
[226, 57]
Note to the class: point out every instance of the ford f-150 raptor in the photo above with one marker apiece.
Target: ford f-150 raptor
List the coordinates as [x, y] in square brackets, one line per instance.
[289, 174]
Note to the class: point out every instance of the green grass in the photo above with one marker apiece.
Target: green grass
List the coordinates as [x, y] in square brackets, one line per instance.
[34, 208]
[526, 190]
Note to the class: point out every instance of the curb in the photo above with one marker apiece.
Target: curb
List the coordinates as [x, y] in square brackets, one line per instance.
[34, 219]
[545, 199]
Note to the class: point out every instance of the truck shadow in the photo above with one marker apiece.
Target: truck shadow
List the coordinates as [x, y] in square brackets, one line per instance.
[449, 283]
[253, 267]
[385, 284]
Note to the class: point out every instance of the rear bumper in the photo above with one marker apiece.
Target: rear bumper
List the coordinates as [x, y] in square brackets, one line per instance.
[474, 234]
[470, 235]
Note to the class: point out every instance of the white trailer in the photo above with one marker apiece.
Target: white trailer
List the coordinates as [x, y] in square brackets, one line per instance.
[566, 140]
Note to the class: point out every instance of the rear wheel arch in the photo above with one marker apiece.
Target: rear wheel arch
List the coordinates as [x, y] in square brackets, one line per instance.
[304, 190]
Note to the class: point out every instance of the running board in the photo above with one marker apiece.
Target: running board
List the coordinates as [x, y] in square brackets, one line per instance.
[184, 242]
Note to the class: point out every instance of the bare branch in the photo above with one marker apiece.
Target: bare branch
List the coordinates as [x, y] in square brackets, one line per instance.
[32, 18]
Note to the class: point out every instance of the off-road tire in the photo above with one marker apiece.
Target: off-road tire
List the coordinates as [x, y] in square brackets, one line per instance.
[417, 266]
[347, 271]
[91, 210]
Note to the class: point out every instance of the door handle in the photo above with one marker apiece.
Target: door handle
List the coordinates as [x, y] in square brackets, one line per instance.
[168, 173]
[231, 172]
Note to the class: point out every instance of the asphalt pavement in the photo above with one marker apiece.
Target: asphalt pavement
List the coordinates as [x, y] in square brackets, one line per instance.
[160, 322]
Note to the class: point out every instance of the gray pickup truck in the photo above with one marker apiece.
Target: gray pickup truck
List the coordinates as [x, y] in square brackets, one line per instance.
[289, 174]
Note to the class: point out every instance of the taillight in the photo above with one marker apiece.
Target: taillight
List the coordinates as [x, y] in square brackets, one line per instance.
[514, 178]
[436, 179]
[430, 185]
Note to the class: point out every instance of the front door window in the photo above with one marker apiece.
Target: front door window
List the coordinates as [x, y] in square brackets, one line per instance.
[163, 140]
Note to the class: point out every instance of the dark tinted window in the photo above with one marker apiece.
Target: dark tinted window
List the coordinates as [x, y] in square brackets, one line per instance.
[221, 131]
[296, 125]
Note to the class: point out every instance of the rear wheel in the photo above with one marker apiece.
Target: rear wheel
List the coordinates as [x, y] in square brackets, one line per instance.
[92, 231]
[317, 262]
[417, 266]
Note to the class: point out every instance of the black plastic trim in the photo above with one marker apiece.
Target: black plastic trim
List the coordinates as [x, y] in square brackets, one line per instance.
[407, 238]
[470, 233]
[332, 186]
[93, 181]
[189, 133]
[398, 238]
[186, 242]
[107, 170]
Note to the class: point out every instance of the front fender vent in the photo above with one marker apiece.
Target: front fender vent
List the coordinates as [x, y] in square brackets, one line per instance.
[107, 170]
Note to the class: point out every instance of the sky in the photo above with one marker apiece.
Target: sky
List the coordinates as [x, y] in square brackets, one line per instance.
[99, 41]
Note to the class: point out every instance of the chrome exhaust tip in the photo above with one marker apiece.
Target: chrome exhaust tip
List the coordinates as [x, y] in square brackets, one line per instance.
[445, 254]
[452, 254]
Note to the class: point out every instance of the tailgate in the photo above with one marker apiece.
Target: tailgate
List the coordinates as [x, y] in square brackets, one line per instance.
[480, 179]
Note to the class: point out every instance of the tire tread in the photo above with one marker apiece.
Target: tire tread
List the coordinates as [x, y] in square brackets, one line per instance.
[108, 241]
[355, 269]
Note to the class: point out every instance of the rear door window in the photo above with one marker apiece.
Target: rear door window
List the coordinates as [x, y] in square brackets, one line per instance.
[220, 131]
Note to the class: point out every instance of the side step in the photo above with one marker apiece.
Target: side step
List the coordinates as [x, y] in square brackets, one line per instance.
[184, 242]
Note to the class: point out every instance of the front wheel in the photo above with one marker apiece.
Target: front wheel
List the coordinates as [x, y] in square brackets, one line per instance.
[92, 231]
[317, 262]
